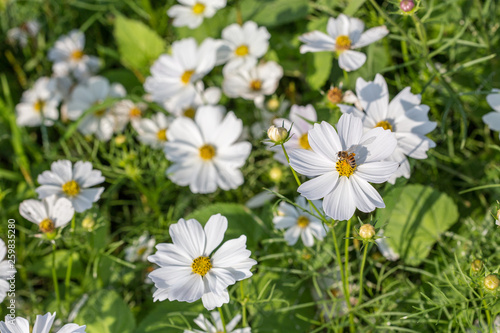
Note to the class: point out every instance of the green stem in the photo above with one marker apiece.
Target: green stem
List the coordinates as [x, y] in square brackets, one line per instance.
[243, 305]
[361, 288]
[70, 263]
[54, 277]
[222, 319]
[346, 254]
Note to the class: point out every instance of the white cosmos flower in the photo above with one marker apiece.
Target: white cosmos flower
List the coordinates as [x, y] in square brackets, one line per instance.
[69, 58]
[404, 116]
[344, 35]
[6, 271]
[209, 96]
[94, 91]
[22, 33]
[173, 77]
[253, 83]
[49, 214]
[39, 102]
[492, 119]
[342, 165]
[153, 132]
[72, 182]
[301, 117]
[215, 325]
[190, 271]
[299, 223]
[242, 46]
[205, 152]
[191, 13]
[127, 111]
[140, 249]
[43, 324]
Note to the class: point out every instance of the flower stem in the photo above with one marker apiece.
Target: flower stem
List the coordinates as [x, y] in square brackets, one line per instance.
[243, 305]
[361, 287]
[54, 277]
[222, 319]
[70, 263]
[346, 254]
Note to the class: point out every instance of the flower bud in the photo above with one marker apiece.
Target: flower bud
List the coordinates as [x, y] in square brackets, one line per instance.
[498, 214]
[277, 134]
[406, 5]
[476, 265]
[88, 223]
[120, 139]
[275, 174]
[367, 231]
[491, 282]
[273, 104]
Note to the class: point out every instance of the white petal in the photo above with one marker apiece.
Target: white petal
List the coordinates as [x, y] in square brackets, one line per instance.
[310, 163]
[366, 198]
[351, 60]
[492, 119]
[376, 172]
[43, 324]
[320, 186]
[33, 210]
[494, 101]
[374, 97]
[212, 300]
[292, 235]
[379, 144]
[350, 130]
[325, 141]
[370, 36]
[189, 236]
[316, 41]
[339, 204]
[214, 229]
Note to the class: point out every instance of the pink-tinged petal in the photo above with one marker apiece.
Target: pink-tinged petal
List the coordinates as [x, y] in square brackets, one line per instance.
[189, 236]
[351, 60]
[320, 186]
[376, 172]
[370, 36]
[350, 129]
[325, 141]
[339, 204]
[366, 198]
[309, 163]
[316, 41]
[214, 230]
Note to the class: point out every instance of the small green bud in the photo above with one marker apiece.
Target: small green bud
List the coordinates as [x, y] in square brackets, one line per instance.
[491, 282]
[277, 134]
[476, 265]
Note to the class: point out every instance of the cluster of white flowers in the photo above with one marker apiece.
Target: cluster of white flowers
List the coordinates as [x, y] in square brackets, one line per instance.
[43, 324]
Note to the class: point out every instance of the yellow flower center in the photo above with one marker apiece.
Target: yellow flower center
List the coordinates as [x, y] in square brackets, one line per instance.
[344, 168]
[241, 51]
[135, 112]
[342, 43]
[201, 265]
[207, 152]
[162, 135]
[186, 77]
[302, 221]
[256, 85]
[71, 188]
[39, 105]
[198, 8]
[189, 112]
[384, 124]
[47, 225]
[304, 141]
[334, 95]
[141, 250]
[77, 55]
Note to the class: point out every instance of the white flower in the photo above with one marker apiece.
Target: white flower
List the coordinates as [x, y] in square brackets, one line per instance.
[72, 182]
[404, 116]
[205, 152]
[69, 58]
[23, 32]
[191, 13]
[342, 165]
[43, 324]
[173, 77]
[267, 115]
[301, 117]
[242, 46]
[492, 119]
[49, 214]
[140, 249]
[188, 269]
[344, 34]
[153, 132]
[384, 247]
[94, 91]
[127, 111]
[6, 271]
[299, 223]
[208, 326]
[253, 83]
[209, 96]
[39, 102]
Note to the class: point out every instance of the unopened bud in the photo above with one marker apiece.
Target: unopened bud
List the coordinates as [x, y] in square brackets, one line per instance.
[498, 214]
[273, 104]
[275, 174]
[88, 223]
[367, 231]
[406, 5]
[491, 282]
[277, 134]
[120, 139]
[476, 265]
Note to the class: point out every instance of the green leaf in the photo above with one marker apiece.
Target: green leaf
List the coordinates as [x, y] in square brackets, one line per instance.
[416, 215]
[106, 312]
[353, 7]
[274, 12]
[43, 266]
[138, 45]
[240, 222]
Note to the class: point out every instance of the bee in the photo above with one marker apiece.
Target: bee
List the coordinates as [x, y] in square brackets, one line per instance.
[349, 157]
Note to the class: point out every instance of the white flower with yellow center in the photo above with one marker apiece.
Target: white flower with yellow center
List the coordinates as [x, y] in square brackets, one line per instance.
[69, 59]
[22, 33]
[6, 271]
[253, 83]
[215, 325]
[49, 214]
[43, 324]
[190, 271]
[191, 13]
[72, 182]
[209, 96]
[242, 46]
[342, 165]
[344, 35]
[492, 119]
[302, 118]
[127, 111]
[299, 223]
[173, 77]
[37, 103]
[140, 249]
[204, 151]
[404, 116]
[102, 122]
[153, 132]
